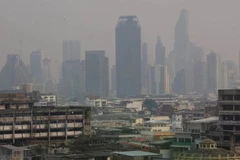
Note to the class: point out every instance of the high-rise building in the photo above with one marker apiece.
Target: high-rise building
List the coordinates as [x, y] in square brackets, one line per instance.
[149, 80]
[46, 70]
[212, 72]
[128, 56]
[159, 79]
[224, 76]
[181, 40]
[113, 80]
[160, 55]
[231, 73]
[194, 54]
[71, 50]
[171, 67]
[199, 77]
[97, 73]
[178, 85]
[144, 66]
[36, 66]
[72, 84]
[14, 73]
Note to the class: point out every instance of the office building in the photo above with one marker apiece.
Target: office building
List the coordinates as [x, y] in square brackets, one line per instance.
[199, 77]
[71, 50]
[160, 80]
[128, 56]
[97, 73]
[212, 72]
[36, 64]
[224, 76]
[144, 66]
[181, 40]
[72, 84]
[113, 80]
[14, 73]
[194, 54]
[171, 67]
[229, 118]
[179, 83]
[160, 55]
[46, 70]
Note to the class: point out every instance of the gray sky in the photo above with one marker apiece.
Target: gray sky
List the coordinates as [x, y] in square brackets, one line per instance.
[213, 24]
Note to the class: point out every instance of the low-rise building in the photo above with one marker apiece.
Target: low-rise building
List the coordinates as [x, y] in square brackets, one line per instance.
[95, 101]
[137, 105]
[21, 122]
[135, 155]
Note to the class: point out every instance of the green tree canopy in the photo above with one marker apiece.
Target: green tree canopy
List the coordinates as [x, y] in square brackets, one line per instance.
[150, 104]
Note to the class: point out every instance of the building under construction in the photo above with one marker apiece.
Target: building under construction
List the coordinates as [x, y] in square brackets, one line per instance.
[22, 123]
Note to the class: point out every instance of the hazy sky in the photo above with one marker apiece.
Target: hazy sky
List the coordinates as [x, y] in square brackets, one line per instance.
[213, 24]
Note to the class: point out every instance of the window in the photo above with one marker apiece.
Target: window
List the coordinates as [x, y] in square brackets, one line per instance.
[227, 97]
[227, 107]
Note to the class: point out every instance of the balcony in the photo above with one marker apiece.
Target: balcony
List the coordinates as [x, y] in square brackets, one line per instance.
[229, 122]
[229, 102]
[181, 144]
[232, 112]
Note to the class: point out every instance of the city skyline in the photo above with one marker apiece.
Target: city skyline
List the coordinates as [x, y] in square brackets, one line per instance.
[38, 31]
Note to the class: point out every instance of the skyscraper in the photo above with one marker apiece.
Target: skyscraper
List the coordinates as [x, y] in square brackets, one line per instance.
[194, 54]
[97, 73]
[128, 56]
[179, 82]
[71, 50]
[144, 66]
[113, 80]
[224, 76]
[199, 77]
[46, 70]
[160, 79]
[160, 55]
[71, 82]
[36, 66]
[181, 40]
[171, 67]
[212, 72]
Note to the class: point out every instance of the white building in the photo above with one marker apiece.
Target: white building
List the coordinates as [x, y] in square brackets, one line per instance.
[49, 97]
[137, 105]
[96, 102]
[177, 122]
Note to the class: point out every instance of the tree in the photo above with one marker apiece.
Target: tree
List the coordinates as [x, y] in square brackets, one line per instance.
[150, 104]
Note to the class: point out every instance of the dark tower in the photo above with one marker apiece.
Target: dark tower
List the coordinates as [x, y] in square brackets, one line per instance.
[160, 52]
[144, 65]
[128, 56]
[181, 40]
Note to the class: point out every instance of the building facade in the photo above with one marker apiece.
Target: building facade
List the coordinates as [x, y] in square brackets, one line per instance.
[144, 67]
[97, 73]
[71, 50]
[22, 123]
[212, 72]
[128, 56]
[160, 52]
[36, 64]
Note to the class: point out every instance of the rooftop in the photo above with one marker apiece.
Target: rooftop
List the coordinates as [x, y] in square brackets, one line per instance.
[205, 120]
[136, 153]
[158, 121]
[14, 148]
